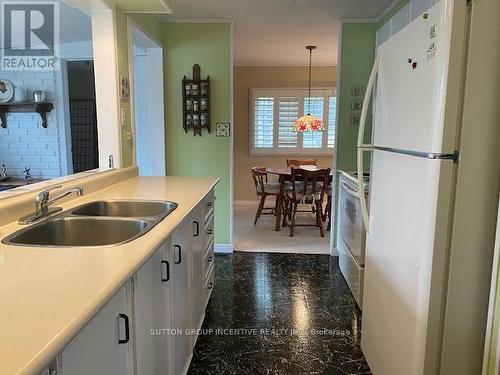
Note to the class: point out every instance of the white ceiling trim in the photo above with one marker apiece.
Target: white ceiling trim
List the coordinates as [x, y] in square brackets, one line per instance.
[359, 20]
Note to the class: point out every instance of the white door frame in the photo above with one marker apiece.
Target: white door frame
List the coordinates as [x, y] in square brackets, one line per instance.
[106, 75]
[155, 101]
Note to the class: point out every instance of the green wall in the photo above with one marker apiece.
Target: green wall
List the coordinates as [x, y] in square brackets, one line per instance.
[356, 56]
[209, 45]
[356, 61]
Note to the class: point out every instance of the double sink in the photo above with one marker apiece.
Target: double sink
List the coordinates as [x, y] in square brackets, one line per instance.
[99, 223]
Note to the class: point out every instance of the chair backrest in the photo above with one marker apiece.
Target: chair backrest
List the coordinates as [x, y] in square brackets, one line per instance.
[311, 183]
[259, 176]
[299, 162]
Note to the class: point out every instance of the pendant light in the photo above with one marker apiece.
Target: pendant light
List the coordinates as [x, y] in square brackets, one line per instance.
[309, 122]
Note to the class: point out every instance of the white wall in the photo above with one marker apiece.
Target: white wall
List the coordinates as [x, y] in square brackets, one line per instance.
[25, 142]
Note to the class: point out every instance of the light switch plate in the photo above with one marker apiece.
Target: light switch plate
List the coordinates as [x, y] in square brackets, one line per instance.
[223, 129]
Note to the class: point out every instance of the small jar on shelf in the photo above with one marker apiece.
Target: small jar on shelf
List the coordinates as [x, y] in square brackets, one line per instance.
[204, 119]
[204, 88]
[194, 89]
[203, 104]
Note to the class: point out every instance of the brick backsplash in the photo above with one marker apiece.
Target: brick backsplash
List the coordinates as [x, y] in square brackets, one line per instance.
[25, 142]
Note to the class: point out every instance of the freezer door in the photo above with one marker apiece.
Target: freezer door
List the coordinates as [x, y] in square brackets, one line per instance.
[399, 261]
[411, 85]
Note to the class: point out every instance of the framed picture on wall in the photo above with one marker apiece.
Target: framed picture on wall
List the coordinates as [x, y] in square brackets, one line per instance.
[356, 90]
[355, 116]
[356, 104]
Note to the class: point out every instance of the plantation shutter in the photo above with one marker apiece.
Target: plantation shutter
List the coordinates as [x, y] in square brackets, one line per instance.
[288, 113]
[263, 118]
[332, 120]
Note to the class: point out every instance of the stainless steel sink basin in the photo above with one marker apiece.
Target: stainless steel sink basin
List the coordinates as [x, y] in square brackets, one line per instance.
[116, 208]
[79, 231]
[98, 223]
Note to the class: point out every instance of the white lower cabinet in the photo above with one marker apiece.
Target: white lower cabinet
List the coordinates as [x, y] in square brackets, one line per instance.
[104, 346]
[148, 327]
[180, 301]
[152, 314]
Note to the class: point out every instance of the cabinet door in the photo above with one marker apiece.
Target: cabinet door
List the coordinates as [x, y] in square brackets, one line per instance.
[152, 312]
[197, 238]
[180, 298]
[104, 346]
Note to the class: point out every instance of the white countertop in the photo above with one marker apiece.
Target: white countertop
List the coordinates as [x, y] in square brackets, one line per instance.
[47, 295]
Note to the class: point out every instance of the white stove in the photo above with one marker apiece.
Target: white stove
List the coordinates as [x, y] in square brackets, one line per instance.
[351, 235]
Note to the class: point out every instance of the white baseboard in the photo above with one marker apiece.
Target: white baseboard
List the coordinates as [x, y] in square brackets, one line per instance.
[334, 252]
[226, 248]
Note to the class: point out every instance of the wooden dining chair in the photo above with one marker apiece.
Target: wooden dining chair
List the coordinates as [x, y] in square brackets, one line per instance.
[307, 187]
[263, 188]
[327, 213]
[299, 162]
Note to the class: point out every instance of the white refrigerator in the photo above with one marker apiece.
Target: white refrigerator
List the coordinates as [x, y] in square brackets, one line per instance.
[414, 159]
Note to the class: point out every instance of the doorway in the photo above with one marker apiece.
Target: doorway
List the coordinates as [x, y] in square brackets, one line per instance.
[83, 115]
[146, 63]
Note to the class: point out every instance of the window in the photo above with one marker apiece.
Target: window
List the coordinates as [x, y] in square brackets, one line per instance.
[273, 113]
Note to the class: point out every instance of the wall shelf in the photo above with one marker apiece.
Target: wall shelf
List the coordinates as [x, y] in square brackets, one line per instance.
[42, 108]
[196, 102]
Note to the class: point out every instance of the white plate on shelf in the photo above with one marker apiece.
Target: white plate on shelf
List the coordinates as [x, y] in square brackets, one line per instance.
[6, 91]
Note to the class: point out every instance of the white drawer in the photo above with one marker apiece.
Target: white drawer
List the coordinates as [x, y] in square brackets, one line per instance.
[208, 207]
[209, 282]
[209, 256]
[353, 273]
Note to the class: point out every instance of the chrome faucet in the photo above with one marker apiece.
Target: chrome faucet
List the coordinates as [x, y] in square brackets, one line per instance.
[43, 201]
[27, 174]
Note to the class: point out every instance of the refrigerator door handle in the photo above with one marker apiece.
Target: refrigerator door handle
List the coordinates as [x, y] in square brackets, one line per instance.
[365, 147]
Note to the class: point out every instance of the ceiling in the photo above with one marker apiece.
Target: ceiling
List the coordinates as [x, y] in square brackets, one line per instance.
[275, 32]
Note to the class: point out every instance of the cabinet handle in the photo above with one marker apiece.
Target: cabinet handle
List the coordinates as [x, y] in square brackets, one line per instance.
[178, 247]
[127, 329]
[210, 231]
[197, 228]
[210, 285]
[210, 259]
[209, 204]
[167, 270]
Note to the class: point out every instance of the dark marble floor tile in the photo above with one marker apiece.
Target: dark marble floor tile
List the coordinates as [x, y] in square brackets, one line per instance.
[289, 314]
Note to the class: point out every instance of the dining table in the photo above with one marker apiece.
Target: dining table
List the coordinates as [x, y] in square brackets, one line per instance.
[285, 174]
